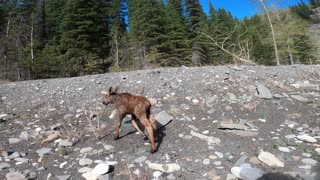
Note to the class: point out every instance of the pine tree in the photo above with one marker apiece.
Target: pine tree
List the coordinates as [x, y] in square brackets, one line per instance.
[179, 52]
[147, 31]
[197, 25]
[79, 41]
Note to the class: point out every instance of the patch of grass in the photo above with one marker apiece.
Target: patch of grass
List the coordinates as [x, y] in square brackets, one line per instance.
[315, 156]
[275, 146]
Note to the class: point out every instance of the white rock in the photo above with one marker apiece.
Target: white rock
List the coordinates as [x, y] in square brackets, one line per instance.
[63, 164]
[14, 140]
[43, 151]
[317, 150]
[101, 168]
[136, 172]
[206, 161]
[157, 174]
[85, 161]
[85, 150]
[246, 172]
[284, 149]
[168, 168]
[217, 163]
[84, 170]
[140, 159]
[211, 140]
[195, 101]
[108, 147]
[290, 136]
[307, 138]
[219, 154]
[113, 114]
[90, 176]
[24, 135]
[307, 166]
[270, 159]
[309, 161]
[15, 176]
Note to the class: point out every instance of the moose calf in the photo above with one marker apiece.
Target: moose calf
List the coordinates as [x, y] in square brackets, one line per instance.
[138, 107]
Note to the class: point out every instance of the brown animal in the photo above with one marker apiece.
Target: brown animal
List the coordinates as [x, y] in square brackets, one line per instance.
[138, 107]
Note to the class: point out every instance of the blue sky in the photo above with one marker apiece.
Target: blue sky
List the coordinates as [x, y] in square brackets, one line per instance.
[242, 8]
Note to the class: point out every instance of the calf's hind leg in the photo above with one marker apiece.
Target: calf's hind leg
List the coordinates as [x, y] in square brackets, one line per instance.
[135, 125]
[119, 122]
[147, 125]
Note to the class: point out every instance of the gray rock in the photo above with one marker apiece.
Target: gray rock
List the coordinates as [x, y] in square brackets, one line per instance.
[85, 161]
[140, 159]
[14, 155]
[232, 98]
[168, 168]
[163, 118]
[22, 160]
[284, 149]
[15, 176]
[4, 166]
[171, 177]
[241, 160]
[309, 161]
[63, 177]
[300, 98]
[219, 154]
[211, 140]
[263, 92]
[24, 135]
[65, 143]
[108, 147]
[14, 140]
[85, 150]
[84, 170]
[247, 172]
[43, 151]
[306, 138]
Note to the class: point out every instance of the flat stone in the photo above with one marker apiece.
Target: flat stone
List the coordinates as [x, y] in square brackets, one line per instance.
[284, 149]
[15, 176]
[211, 140]
[4, 166]
[65, 143]
[14, 155]
[306, 138]
[85, 161]
[85, 150]
[168, 168]
[233, 126]
[22, 160]
[217, 163]
[108, 147]
[101, 169]
[270, 159]
[140, 159]
[43, 151]
[290, 136]
[84, 170]
[307, 166]
[300, 98]
[3, 116]
[263, 92]
[163, 118]
[63, 177]
[247, 172]
[309, 161]
[14, 140]
[90, 176]
[242, 133]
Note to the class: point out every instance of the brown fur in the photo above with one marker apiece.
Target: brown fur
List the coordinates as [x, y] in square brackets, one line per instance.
[138, 107]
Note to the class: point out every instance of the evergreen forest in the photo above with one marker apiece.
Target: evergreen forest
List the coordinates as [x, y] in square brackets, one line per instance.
[66, 38]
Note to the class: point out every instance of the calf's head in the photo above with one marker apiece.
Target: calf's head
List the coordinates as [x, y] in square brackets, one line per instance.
[110, 98]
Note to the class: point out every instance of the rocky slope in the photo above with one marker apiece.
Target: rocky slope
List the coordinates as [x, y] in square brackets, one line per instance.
[248, 122]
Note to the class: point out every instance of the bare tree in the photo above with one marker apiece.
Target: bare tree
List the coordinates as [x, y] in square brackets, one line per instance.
[240, 49]
[272, 32]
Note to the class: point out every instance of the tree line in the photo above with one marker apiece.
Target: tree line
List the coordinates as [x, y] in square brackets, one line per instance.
[58, 38]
